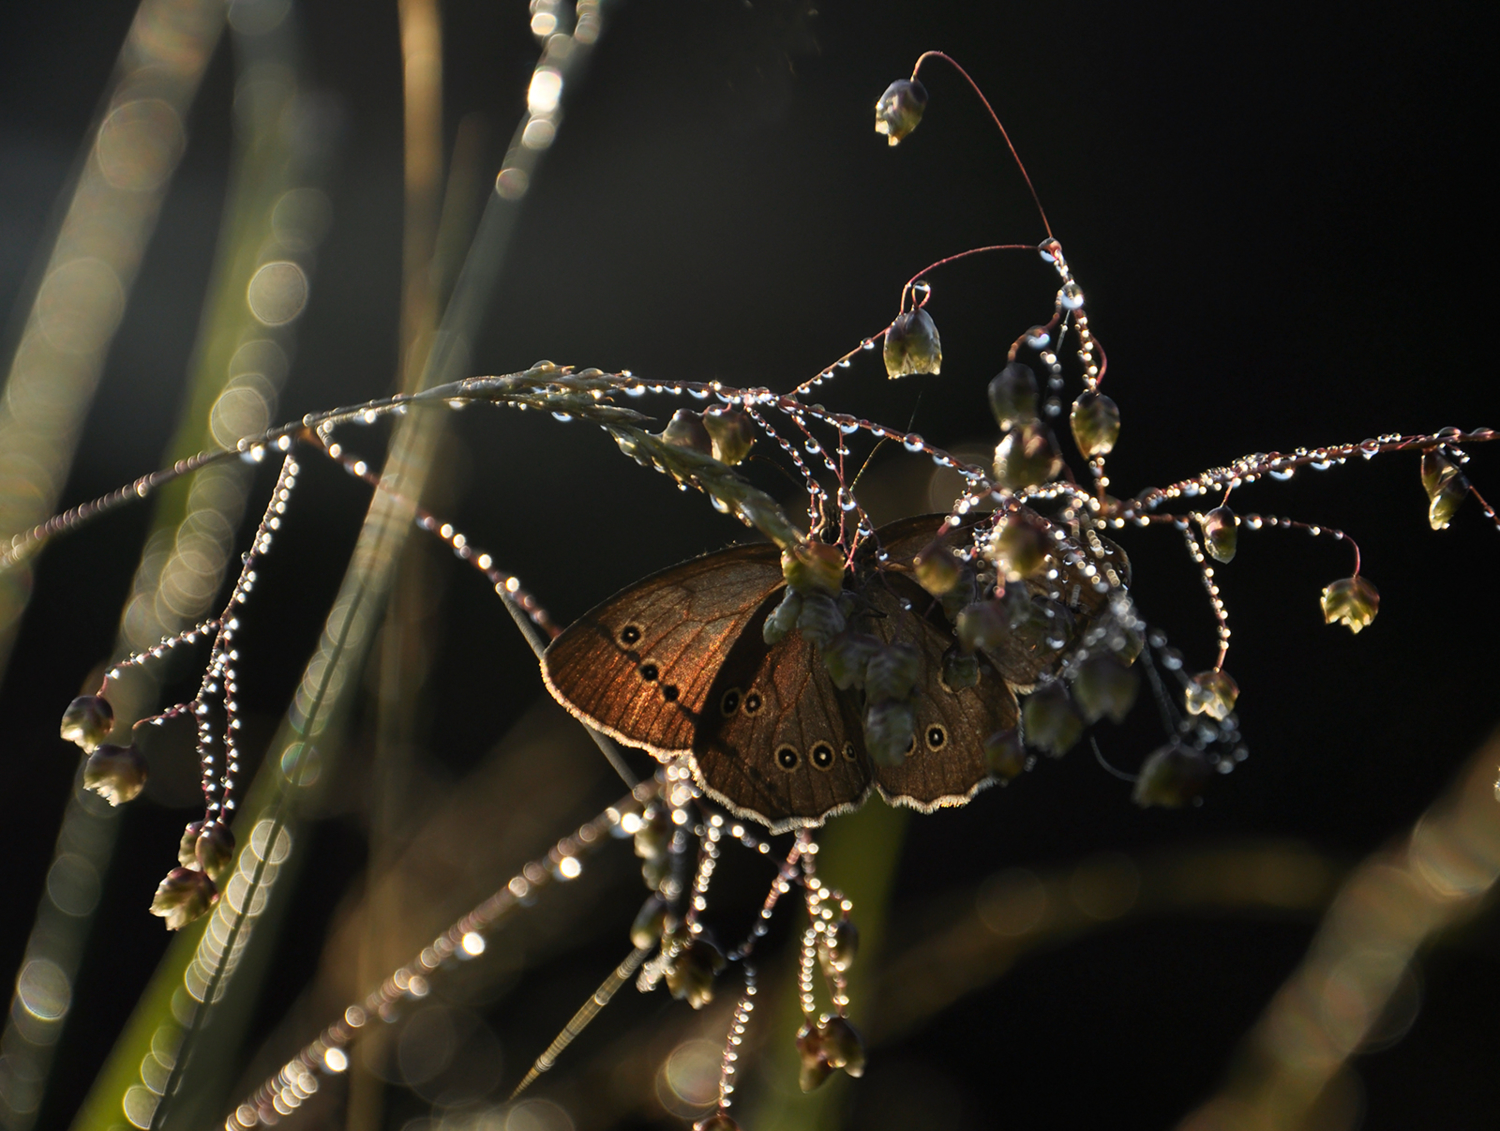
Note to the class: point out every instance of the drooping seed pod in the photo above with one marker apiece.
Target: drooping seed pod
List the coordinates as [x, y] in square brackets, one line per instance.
[213, 850]
[185, 895]
[1095, 421]
[653, 839]
[893, 672]
[691, 972]
[1172, 776]
[899, 109]
[814, 1067]
[1026, 456]
[732, 432]
[1041, 625]
[960, 670]
[115, 773]
[842, 1045]
[962, 594]
[1211, 693]
[1019, 545]
[813, 567]
[1437, 469]
[937, 569]
[783, 618]
[645, 931]
[1105, 687]
[890, 730]
[686, 430]
[820, 619]
[1050, 720]
[1352, 601]
[1445, 485]
[187, 847]
[841, 945]
[1013, 396]
[655, 872]
[912, 345]
[87, 721]
[1005, 754]
[984, 624]
[1130, 645]
[847, 656]
[1220, 533]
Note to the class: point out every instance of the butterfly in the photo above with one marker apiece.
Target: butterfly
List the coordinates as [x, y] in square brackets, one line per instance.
[677, 665]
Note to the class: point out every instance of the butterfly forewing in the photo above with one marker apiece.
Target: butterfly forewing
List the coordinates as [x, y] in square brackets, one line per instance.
[678, 664]
[639, 666]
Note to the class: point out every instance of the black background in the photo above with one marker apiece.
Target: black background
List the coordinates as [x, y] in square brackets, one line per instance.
[1277, 216]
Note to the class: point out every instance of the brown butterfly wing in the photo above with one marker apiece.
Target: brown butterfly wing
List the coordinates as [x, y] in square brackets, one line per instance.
[639, 666]
[1086, 572]
[905, 538]
[780, 743]
[947, 765]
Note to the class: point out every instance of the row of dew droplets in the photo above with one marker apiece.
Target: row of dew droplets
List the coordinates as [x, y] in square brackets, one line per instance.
[1095, 426]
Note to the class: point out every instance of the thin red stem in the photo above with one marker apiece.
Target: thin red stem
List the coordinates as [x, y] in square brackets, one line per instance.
[951, 258]
[994, 117]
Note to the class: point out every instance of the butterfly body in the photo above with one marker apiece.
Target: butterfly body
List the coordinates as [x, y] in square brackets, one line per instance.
[678, 665]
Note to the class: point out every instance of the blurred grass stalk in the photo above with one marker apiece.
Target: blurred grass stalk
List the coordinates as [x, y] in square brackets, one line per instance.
[273, 222]
[123, 176]
[400, 659]
[1292, 1070]
[120, 182]
[859, 856]
[169, 1029]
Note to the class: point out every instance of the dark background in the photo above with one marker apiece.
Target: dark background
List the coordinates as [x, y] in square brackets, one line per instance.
[1277, 218]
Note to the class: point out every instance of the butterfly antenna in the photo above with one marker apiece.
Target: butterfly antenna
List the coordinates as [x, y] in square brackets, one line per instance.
[916, 404]
[1099, 757]
[864, 467]
[581, 1019]
[993, 117]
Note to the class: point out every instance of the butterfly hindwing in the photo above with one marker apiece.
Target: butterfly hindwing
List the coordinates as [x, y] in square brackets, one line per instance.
[947, 763]
[639, 666]
[677, 664]
[779, 742]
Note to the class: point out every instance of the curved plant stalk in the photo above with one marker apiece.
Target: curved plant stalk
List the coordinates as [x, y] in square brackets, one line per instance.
[1398, 901]
[400, 659]
[463, 939]
[120, 182]
[1017, 911]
